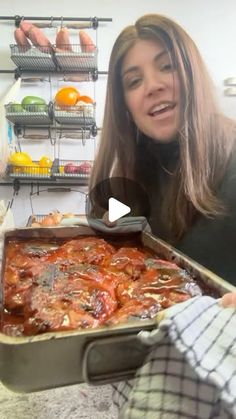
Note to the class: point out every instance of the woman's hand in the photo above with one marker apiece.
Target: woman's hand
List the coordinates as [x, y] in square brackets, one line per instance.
[229, 300]
[106, 221]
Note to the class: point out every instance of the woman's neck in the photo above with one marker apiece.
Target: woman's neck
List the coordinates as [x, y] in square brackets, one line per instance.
[165, 154]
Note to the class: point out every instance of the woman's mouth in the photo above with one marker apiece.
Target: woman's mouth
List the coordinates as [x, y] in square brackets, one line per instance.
[161, 109]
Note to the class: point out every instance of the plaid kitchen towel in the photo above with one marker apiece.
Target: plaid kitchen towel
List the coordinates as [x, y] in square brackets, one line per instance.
[190, 372]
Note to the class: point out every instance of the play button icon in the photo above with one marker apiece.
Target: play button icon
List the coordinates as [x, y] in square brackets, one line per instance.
[116, 209]
[114, 198]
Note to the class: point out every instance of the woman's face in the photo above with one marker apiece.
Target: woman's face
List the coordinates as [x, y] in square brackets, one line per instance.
[152, 90]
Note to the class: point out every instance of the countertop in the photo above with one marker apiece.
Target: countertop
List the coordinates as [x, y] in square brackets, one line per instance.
[72, 402]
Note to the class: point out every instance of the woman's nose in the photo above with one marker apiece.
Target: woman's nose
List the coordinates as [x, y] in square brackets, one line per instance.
[154, 83]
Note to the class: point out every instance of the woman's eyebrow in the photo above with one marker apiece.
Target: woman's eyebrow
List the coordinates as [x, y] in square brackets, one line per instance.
[160, 54]
[135, 68]
[129, 70]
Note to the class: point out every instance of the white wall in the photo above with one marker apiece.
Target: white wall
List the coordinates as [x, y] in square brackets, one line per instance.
[211, 24]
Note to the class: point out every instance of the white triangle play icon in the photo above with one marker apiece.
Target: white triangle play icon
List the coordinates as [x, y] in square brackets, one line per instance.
[116, 209]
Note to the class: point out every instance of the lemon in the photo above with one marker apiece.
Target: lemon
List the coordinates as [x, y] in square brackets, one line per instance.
[32, 169]
[44, 171]
[20, 159]
[36, 170]
[45, 162]
[17, 170]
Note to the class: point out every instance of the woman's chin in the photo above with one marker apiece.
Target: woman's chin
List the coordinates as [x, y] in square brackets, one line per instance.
[164, 139]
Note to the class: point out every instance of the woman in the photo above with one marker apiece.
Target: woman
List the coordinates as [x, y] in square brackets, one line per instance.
[162, 128]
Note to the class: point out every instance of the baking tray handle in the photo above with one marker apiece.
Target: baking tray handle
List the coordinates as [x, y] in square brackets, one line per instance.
[111, 359]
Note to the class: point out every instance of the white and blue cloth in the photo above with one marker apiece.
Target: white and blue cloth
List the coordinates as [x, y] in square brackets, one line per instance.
[190, 372]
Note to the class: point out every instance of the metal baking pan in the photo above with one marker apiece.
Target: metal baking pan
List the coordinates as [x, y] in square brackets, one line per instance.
[95, 356]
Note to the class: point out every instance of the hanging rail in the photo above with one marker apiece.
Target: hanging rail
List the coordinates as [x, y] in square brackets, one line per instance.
[93, 20]
[18, 72]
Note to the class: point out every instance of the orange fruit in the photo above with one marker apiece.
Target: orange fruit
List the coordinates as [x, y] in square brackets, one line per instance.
[86, 99]
[67, 96]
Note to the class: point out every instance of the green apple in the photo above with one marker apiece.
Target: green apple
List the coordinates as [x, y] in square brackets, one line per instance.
[34, 104]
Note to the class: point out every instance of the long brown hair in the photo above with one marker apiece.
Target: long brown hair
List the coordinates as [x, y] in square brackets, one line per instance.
[205, 139]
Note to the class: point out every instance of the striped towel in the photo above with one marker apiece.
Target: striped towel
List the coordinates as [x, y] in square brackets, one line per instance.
[190, 371]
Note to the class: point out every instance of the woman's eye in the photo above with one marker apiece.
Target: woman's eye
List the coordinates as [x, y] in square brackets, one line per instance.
[130, 84]
[167, 67]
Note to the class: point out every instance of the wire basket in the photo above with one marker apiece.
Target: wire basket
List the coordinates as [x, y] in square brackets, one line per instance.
[33, 58]
[42, 58]
[82, 115]
[78, 133]
[27, 115]
[32, 171]
[80, 77]
[72, 169]
[76, 59]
